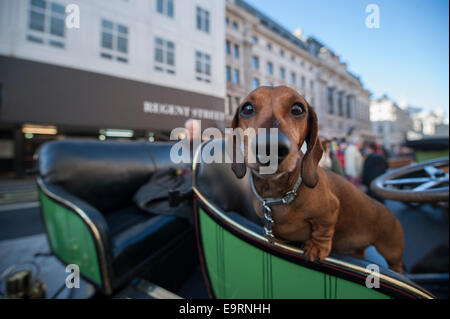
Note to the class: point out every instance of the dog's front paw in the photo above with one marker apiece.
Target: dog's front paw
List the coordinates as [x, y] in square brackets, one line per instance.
[315, 251]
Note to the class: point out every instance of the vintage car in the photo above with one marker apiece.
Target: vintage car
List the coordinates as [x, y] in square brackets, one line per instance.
[86, 191]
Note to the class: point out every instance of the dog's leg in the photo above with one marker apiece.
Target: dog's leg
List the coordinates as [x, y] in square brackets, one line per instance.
[319, 246]
[391, 245]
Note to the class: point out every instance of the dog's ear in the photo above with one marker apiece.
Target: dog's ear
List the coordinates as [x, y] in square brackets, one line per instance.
[239, 169]
[313, 155]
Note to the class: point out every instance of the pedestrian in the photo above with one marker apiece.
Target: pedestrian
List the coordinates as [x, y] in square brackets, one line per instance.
[354, 161]
[340, 151]
[194, 134]
[329, 159]
[374, 166]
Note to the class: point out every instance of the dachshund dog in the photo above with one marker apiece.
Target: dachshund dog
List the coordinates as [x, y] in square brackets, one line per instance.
[328, 212]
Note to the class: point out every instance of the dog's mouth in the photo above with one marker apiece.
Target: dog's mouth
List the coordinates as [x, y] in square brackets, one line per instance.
[256, 170]
[274, 171]
[276, 175]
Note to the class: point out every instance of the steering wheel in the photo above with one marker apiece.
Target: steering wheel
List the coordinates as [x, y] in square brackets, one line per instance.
[419, 183]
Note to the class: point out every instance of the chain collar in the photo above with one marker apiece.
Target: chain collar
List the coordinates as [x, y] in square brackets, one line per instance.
[267, 202]
[285, 200]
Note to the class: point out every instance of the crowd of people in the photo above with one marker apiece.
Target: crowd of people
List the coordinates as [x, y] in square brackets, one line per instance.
[358, 161]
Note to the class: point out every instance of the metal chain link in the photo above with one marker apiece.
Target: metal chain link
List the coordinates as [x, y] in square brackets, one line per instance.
[268, 223]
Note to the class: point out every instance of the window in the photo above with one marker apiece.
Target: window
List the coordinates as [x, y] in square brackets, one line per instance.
[255, 40]
[228, 73]
[281, 52]
[202, 20]
[235, 25]
[340, 104]
[255, 63]
[380, 129]
[255, 83]
[269, 47]
[269, 68]
[311, 84]
[349, 106]
[228, 106]
[292, 58]
[164, 55]
[282, 73]
[227, 47]
[114, 41]
[165, 7]
[303, 82]
[46, 23]
[293, 78]
[237, 102]
[236, 76]
[203, 66]
[227, 21]
[330, 100]
[236, 51]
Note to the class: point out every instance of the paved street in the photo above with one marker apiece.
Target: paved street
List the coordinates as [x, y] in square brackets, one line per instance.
[51, 270]
[20, 220]
[19, 209]
[22, 236]
[17, 191]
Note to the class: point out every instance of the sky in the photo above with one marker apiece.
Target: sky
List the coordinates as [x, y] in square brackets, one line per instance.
[407, 57]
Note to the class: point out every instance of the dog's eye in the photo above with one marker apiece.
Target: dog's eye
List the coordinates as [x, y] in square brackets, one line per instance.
[297, 110]
[247, 110]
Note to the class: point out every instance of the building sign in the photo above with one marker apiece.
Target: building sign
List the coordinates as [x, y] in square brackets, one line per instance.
[182, 110]
[96, 102]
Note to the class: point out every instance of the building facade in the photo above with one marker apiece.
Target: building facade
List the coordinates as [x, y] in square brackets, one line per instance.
[390, 122]
[143, 67]
[427, 123]
[260, 52]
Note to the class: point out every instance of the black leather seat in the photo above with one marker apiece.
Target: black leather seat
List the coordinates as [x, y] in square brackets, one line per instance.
[96, 181]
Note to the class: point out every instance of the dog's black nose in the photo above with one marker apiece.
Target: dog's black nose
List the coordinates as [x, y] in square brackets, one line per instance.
[263, 148]
[283, 147]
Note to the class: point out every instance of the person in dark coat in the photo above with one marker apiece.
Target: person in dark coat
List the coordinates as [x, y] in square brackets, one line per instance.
[374, 166]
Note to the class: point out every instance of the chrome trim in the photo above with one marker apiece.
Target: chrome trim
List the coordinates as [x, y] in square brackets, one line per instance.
[329, 260]
[91, 225]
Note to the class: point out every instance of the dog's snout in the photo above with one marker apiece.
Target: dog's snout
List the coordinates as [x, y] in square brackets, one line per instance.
[279, 142]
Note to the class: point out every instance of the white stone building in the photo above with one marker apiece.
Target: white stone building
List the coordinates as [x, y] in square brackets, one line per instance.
[428, 123]
[121, 38]
[390, 122]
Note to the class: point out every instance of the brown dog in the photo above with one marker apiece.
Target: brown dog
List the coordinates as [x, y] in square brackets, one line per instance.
[328, 211]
